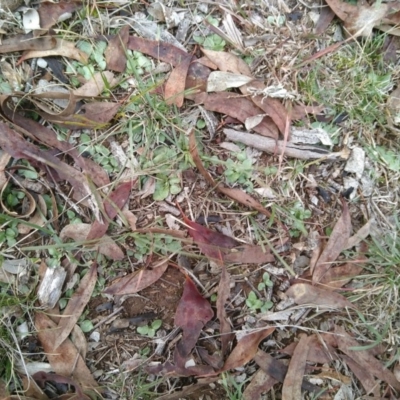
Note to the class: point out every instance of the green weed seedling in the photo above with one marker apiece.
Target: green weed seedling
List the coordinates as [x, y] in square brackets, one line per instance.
[150, 330]
[255, 304]
[9, 235]
[266, 282]
[298, 214]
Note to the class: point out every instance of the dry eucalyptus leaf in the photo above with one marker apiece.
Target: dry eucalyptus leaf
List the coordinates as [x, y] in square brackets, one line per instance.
[105, 245]
[218, 81]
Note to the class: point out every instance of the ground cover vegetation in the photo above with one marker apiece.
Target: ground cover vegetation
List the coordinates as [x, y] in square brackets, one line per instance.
[199, 200]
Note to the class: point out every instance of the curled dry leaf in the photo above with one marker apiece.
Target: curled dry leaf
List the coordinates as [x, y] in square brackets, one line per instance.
[92, 116]
[65, 360]
[27, 42]
[336, 243]
[137, 281]
[49, 137]
[38, 219]
[303, 293]
[105, 245]
[76, 305]
[14, 144]
[62, 48]
[246, 349]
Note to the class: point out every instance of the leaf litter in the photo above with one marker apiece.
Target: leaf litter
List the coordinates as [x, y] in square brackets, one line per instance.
[265, 109]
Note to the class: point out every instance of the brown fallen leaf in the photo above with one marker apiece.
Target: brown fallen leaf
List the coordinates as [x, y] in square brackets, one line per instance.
[367, 380]
[76, 305]
[159, 50]
[50, 13]
[137, 281]
[249, 254]
[96, 85]
[227, 62]
[339, 276]
[105, 245]
[318, 351]
[291, 389]
[336, 243]
[62, 48]
[27, 42]
[272, 107]
[239, 107]
[277, 369]
[360, 19]
[38, 219]
[359, 236]
[196, 79]
[48, 137]
[92, 116]
[112, 206]
[115, 53]
[325, 18]
[15, 145]
[236, 194]
[260, 384]
[303, 293]
[192, 313]
[246, 349]
[65, 360]
[363, 357]
[174, 92]
[225, 329]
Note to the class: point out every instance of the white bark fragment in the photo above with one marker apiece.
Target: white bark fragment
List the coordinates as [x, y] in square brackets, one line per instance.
[50, 288]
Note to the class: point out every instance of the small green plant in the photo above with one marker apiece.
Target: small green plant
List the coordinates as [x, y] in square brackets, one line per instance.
[297, 216]
[255, 304]
[9, 235]
[382, 155]
[158, 243]
[150, 330]
[166, 185]
[211, 42]
[239, 171]
[100, 154]
[266, 282]
[234, 390]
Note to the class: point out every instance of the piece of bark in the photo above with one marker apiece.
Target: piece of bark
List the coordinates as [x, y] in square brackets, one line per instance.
[304, 152]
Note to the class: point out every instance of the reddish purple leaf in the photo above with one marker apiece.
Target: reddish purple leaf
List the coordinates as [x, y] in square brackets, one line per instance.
[193, 312]
[112, 205]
